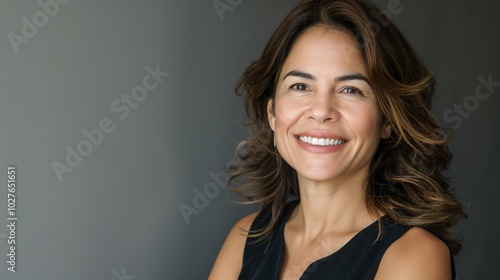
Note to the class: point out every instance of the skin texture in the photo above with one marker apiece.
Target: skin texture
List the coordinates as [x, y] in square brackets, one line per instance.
[229, 261]
[317, 105]
[324, 91]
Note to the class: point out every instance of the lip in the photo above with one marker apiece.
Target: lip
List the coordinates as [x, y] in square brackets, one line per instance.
[321, 149]
[322, 134]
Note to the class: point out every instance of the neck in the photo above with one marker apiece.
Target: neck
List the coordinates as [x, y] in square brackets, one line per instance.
[331, 207]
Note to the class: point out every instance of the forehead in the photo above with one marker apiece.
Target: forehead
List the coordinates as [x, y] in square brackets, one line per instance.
[322, 47]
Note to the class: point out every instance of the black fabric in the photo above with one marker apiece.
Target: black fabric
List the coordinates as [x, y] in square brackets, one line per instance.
[358, 259]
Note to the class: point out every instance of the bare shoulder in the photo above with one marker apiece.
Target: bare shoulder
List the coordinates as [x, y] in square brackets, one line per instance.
[229, 261]
[417, 254]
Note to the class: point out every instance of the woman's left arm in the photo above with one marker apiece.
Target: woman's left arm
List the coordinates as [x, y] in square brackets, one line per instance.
[416, 255]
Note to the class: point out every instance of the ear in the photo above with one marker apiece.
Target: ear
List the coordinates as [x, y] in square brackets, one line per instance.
[386, 131]
[271, 118]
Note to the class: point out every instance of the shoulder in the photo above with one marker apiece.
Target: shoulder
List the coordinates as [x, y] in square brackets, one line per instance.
[417, 254]
[229, 261]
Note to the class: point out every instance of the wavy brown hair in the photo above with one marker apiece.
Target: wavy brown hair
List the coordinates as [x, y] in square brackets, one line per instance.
[406, 179]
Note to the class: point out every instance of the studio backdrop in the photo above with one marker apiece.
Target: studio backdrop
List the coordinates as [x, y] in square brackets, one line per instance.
[118, 118]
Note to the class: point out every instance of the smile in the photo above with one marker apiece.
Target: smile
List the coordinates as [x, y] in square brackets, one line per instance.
[321, 141]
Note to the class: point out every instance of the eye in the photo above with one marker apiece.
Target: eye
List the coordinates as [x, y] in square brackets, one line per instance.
[299, 87]
[352, 91]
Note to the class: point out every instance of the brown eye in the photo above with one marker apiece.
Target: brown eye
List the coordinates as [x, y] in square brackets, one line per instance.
[299, 87]
[352, 91]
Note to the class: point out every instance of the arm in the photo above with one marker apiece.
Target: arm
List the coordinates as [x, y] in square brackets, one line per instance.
[418, 254]
[229, 261]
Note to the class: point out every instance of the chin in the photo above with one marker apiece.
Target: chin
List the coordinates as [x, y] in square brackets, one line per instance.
[316, 176]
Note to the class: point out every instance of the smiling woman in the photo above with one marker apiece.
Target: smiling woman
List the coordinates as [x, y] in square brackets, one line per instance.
[324, 97]
[345, 156]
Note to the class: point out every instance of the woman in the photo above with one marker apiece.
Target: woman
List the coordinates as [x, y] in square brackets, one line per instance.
[345, 156]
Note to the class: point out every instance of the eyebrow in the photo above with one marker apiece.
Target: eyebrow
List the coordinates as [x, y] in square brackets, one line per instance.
[300, 74]
[350, 77]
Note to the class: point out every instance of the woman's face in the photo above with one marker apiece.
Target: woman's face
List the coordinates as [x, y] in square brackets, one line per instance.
[325, 116]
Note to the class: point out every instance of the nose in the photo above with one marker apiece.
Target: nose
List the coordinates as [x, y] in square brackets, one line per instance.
[323, 108]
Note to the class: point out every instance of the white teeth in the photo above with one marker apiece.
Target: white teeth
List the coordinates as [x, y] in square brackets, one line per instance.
[321, 141]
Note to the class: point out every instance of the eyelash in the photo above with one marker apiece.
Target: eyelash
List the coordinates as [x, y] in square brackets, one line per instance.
[357, 91]
[294, 87]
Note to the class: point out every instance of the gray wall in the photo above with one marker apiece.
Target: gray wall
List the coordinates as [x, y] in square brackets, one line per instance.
[116, 214]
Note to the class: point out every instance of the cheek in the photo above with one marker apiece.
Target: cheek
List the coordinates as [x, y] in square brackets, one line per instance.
[366, 122]
[287, 113]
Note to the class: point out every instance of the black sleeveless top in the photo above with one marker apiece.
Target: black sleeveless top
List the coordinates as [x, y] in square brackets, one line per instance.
[358, 259]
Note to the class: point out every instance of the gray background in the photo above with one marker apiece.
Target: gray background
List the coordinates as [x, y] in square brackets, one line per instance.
[117, 213]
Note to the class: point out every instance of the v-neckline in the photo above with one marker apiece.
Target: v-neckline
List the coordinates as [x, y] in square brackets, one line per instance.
[282, 244]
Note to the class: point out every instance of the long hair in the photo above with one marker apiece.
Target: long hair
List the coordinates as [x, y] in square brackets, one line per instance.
[406, 179]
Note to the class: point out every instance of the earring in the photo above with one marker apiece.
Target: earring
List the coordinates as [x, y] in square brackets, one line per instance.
[274, 141]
